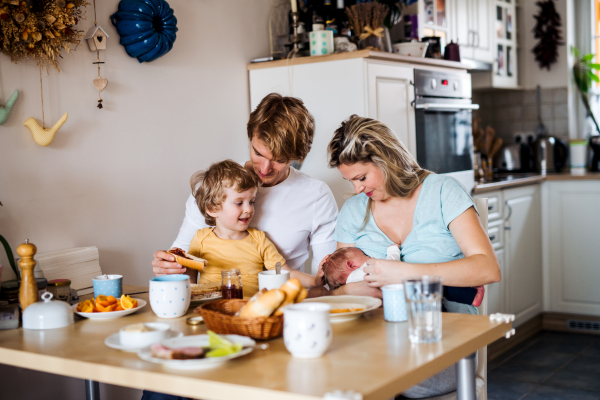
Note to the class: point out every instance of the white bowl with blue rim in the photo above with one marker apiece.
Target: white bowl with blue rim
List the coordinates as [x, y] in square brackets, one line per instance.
[170, 295]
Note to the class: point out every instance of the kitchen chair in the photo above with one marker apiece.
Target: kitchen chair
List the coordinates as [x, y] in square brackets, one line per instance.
[481, 374]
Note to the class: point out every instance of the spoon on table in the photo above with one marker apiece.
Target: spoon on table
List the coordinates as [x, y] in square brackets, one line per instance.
[278, 268]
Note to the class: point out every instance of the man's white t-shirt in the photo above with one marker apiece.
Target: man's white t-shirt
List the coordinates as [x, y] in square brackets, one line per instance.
[295, 213]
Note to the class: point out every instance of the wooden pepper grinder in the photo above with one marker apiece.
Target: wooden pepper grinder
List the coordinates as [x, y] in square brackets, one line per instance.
[28, 292]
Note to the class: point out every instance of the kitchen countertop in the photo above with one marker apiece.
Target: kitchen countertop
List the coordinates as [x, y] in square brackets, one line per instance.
[515, 180]
[374, 55]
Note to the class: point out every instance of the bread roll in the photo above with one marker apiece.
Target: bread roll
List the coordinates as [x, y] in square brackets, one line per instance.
[291, 288]
[302, 295]
[264, 305]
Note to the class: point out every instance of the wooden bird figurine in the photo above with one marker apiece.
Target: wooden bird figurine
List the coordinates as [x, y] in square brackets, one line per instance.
[5, 111]
[44, 136]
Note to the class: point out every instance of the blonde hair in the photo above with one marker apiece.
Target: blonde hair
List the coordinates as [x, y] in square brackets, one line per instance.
[367, 140]
[283, 125]
[208, 187]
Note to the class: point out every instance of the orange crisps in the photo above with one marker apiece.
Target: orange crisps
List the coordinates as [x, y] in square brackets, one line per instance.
[104, 303]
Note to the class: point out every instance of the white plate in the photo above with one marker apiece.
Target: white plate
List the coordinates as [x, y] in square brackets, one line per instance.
[202, 301]
[114, 342]
[368, 303]
[111, 314]
[196, 341]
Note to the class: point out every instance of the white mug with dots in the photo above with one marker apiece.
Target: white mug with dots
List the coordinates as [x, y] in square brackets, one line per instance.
[321, 43]
[170, 295]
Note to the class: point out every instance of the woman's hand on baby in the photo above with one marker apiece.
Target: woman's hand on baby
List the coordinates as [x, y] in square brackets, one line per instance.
[164, 264]
[382, 272]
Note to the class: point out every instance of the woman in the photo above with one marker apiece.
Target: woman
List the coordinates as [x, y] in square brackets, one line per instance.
[430, 216]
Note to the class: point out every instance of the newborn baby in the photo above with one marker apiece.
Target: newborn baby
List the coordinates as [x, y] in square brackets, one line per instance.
[346, 265]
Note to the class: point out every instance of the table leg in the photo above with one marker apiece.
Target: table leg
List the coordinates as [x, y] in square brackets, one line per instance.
[465, 378]
[92, 390]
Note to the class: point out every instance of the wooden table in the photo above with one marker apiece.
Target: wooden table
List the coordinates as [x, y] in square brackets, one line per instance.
[369, 356]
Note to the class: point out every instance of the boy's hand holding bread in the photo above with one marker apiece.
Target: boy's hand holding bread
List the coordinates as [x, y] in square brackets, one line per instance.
[271, 302]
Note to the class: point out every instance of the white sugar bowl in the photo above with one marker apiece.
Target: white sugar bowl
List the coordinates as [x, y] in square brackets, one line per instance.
[142, 335]
[48, 314]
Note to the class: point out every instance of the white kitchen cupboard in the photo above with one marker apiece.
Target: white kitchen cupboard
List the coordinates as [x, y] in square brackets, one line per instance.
[334, 90]
[571, 246]
[523, 252]
[503, 41]
[472, 28]
[514, 229]
[495, 291]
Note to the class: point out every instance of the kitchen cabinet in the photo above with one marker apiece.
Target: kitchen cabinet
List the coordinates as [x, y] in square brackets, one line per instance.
[514, 228]
[502, 40]
[472, 28]
[333, 91]
[523, 252]
[495, 291]
[390, 94]
[571, 249]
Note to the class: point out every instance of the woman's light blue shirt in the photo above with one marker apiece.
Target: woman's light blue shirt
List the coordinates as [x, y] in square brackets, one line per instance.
[441, 200]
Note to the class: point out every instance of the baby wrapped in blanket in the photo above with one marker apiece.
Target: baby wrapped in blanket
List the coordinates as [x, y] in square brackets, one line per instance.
[346, 265]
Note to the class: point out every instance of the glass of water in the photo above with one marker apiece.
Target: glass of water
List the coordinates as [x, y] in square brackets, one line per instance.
[424, 301]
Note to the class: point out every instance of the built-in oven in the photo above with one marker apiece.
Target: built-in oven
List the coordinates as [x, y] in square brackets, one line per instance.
[443, 124]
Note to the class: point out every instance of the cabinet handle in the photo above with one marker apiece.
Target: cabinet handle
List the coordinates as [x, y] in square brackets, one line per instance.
[509, 210]
[469, 38]
[490, 208]
[476, 33]
[492, 238]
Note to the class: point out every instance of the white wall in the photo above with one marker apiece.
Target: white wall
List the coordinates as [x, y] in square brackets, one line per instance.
[117, 178]
[530, 72]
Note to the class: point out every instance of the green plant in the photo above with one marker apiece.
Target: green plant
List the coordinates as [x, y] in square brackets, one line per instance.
[9, 254]
[583, 74]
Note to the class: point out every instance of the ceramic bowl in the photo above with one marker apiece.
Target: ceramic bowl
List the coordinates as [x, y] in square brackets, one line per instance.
[142, 339]
[270, 280]
[414, 49]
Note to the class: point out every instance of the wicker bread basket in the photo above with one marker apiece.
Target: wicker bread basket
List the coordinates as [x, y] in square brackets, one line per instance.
[219, 316]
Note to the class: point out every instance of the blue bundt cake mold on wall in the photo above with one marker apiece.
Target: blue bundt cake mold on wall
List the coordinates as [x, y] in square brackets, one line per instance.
[147, 28]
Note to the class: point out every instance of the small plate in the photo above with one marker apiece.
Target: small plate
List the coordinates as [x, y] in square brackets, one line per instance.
[202, 301]
[111, 314]
[196, 341]
[368, 303]
[114, 342]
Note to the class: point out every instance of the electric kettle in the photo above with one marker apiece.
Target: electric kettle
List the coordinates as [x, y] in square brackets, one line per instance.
[550, 154]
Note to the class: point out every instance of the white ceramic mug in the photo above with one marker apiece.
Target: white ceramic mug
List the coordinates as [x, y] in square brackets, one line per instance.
[270, 280]
[170, 295]
[307, 329]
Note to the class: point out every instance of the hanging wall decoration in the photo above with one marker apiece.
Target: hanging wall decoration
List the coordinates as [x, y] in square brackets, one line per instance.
[42, 135]
[40, 29]
[147, 28]
[547, 30]
[96, 40]
[5, 111]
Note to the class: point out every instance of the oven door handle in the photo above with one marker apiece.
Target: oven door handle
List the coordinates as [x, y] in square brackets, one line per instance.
[447, 106]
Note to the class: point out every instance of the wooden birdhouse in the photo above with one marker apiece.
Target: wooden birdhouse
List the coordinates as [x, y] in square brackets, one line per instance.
[96, 38]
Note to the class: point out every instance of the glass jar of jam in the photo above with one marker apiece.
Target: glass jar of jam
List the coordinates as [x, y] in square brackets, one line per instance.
[60, 289]
[231, 284]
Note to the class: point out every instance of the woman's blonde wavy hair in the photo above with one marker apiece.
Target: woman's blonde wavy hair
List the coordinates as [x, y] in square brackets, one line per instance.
[367, 140]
